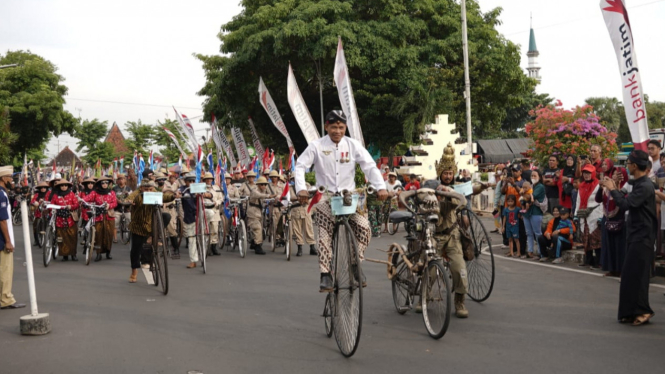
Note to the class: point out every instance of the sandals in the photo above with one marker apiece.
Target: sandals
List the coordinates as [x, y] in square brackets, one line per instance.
[642, 319]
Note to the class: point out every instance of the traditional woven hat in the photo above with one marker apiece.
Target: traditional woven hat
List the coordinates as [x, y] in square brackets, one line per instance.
[262, 180]
[42, 185]
[6, 171]
[447, 161]
[274, 173]
[62, 182]
[208, 175]
[88, 180]
[159, 175]
[251, 173]
[147, 183]
[104, 179]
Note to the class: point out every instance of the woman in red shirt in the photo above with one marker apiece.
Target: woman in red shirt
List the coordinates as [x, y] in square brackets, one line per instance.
[104, 222]
[37, 198]
[66, 229]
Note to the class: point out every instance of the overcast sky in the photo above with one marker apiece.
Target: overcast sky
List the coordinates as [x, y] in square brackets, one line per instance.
[130, 60]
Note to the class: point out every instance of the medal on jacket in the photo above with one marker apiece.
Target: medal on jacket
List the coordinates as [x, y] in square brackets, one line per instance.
[345, 157]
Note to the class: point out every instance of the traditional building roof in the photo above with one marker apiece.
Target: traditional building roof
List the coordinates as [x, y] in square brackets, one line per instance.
[116, 138]
[64, 159]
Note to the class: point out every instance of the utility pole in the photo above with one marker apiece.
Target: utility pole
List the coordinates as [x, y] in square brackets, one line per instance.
[467, 82]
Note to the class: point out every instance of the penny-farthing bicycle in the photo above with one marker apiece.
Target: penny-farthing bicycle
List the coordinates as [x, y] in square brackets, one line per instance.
[344, 304]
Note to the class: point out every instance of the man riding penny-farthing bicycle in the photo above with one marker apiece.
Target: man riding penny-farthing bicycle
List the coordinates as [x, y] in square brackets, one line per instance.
[335, 157]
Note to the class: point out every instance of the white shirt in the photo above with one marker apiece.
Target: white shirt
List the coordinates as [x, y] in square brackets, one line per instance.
[330, 171]
[393, 187]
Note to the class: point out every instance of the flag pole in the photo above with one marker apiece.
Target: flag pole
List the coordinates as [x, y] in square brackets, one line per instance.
[467, 82]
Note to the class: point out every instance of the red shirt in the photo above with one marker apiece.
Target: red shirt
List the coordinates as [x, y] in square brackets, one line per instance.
[69, 199]
[97, 199]
[415, 185]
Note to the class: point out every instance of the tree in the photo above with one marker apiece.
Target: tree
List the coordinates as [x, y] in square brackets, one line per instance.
[161, 138]
[568, 132]
[517, 117]
[90, 133]
[7, 138]
[140, 137]
[613, 115]
[404, 57]
[34, 94]
[101, 151]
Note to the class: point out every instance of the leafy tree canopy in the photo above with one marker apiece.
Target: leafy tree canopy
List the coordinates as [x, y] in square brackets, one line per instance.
[34, 94]
[7, 138]
[404, 57]
[613, 115]
[90, 133]
[141, 137]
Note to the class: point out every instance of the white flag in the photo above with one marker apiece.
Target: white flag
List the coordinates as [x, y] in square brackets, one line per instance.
[190, 138]
[299, 108]
[241, 146]
[175, 140]
[227, 147]
[269, 105]
[345, 92]
[618, 24]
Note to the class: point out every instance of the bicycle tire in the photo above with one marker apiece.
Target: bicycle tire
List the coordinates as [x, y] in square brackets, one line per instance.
[327, 315]
[241, 238]
[48, 246]
[480, 270]
[159, 255]
[124, 230]
[40, 228]
[90, 244]
[287, 239]
[392, 228]
[347, 319]
[403, 283]
[436, 299]
[272, 234]
[201, 242]
[221, 231]
[16, 218]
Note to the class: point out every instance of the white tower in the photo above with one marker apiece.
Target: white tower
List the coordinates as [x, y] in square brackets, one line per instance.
[533, 69]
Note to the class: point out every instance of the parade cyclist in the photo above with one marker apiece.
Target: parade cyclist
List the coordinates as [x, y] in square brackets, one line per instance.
[334, 158]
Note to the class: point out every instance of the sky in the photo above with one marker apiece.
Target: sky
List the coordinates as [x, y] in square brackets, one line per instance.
[130, 60]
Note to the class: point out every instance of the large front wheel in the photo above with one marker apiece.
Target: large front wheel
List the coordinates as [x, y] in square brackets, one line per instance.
[160, 267]
[436, 299]
[241, 238]
[347, 292]
[478, 253]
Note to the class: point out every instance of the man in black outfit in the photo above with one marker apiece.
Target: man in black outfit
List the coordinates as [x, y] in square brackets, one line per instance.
[551, 182]
[640, 237]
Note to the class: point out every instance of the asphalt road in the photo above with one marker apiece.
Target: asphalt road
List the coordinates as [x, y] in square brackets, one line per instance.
[262, 314]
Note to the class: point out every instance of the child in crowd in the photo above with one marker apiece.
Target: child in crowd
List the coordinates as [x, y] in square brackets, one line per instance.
[526, 198]
[511, 215]
[564, 231]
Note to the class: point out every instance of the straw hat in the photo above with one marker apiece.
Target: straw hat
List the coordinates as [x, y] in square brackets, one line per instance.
[62, 182]
[267, 171]
[208, 175]
[190, 176]
[88, 180]
[251, 173]
[159, 175]
[392, 174]
[104, 179]
[42, 185]
[147, 183]
[6, 171]
[262, 180]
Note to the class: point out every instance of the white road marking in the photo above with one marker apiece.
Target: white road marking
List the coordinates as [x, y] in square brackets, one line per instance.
[549, 266]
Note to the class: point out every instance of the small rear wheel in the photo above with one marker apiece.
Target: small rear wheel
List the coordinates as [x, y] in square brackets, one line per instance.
[287, 239]
[328, 315]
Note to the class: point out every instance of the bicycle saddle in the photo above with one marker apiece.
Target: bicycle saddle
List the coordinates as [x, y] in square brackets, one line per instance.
[399, 217]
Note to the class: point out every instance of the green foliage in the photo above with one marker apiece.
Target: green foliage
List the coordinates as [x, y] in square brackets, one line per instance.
[101, 150]
[141, 137]
[518, 116]
[359, 177]
[160, 138]
[484, 177]
[34, 97]
[404, 57]
[310, 178]
[613, 116]
[7, 138]
[90, 133]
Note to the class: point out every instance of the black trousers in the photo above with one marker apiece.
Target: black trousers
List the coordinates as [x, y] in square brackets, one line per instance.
[548, 246]
[139, 240]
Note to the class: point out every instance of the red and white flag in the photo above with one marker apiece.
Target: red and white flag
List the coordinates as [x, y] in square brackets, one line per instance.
[621, 33]
[315, 199]
[345, 92]
[285, 194]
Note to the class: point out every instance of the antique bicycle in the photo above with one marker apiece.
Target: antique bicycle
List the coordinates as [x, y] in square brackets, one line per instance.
[50, 240]
[237, 235]
[123, 225]
[90, 231]
[343, 306]
[157, 243]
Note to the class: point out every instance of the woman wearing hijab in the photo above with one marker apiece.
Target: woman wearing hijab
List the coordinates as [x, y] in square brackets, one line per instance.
[104, 222]
[65, 225]
[38, 198]
[613, 231]
[88, 186]
[589, 216]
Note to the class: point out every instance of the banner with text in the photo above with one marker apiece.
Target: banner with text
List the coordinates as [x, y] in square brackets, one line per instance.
[241, 146]
[255, 138]
[227, 147]
[269, 105]
[299, 108]
[618, 25]
[343, 83]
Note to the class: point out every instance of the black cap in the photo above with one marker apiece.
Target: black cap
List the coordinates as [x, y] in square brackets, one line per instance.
[335, 116]
[147, 172]
[564, 210]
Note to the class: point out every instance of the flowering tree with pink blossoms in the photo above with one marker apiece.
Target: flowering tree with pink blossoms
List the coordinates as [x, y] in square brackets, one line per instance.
[568, 132]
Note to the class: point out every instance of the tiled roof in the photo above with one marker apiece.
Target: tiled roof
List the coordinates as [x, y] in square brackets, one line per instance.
[116, 138]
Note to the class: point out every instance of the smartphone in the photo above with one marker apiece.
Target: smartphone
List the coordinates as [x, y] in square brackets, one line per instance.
[584, 157]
